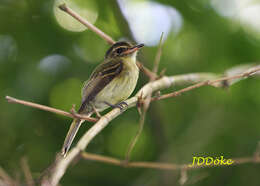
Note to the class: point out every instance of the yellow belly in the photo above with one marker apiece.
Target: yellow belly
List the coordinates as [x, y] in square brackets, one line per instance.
[119, 89]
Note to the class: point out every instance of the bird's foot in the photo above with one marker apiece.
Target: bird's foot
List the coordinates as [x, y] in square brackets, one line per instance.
[121, 105]
[98, 115]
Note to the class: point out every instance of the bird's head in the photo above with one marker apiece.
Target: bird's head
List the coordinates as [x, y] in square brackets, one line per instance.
[123, 49]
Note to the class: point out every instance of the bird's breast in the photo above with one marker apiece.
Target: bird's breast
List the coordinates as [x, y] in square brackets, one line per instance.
[120, 88]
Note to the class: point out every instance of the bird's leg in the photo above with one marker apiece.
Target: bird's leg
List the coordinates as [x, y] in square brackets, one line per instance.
[95, 110]
[119, 105]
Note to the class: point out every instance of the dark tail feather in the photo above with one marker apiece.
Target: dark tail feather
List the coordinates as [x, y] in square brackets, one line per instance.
[74, 127]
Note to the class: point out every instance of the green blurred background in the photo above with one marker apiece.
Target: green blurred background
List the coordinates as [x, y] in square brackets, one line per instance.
[45, 57]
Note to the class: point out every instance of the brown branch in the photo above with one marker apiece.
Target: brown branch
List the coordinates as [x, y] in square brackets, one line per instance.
[162, 166]
[135, 138]
[183, 176]
[27, 172]
[158, 56]
[90, 26]
[145, 106]
[211, 83]
[100, 33]
[114, 161]
[50, 109]
[145, 70]
[6, 178]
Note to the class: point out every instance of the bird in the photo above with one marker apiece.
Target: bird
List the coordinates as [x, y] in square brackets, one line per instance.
[109, 85]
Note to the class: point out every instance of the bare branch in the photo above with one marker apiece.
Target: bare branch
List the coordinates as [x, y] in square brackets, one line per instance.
[184, 176]
[49, 109]
[27, 172]
[145, 70]
[162, 166]
[6, 178]
[158, 56]
[136, 137]
[75, 15]
[216, 83]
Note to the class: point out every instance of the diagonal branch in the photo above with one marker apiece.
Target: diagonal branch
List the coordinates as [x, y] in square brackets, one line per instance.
[90, 26]
[158, 56]
[6, 179]
[49, 109]
[27, 172]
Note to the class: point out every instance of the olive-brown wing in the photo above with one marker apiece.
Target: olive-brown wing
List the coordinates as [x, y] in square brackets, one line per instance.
[98, 80]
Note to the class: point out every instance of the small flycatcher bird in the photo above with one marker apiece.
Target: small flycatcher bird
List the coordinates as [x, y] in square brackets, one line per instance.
[112, 82]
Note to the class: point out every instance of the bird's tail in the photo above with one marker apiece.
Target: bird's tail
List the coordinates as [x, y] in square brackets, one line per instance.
[74, 127]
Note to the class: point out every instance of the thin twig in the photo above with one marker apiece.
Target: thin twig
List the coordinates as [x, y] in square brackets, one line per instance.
[145, 104]
[135, 139]
[27, 172]
[162, 166]
[158, 56]
[145, 70]
[183, 176]
[50, 109]
[75, 15]
[6, 178]
[100, 33]
[206, 83]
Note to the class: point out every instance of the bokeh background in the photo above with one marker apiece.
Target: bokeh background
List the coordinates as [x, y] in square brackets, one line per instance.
[45, 57]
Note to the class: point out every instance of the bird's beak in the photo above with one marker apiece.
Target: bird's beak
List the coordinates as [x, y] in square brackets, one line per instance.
[134, 48]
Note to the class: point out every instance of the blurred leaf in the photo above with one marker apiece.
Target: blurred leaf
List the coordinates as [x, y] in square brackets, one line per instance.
[119, 140]
[65, 94]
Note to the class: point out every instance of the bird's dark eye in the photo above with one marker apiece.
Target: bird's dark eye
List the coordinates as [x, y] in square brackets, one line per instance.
[120, 50]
